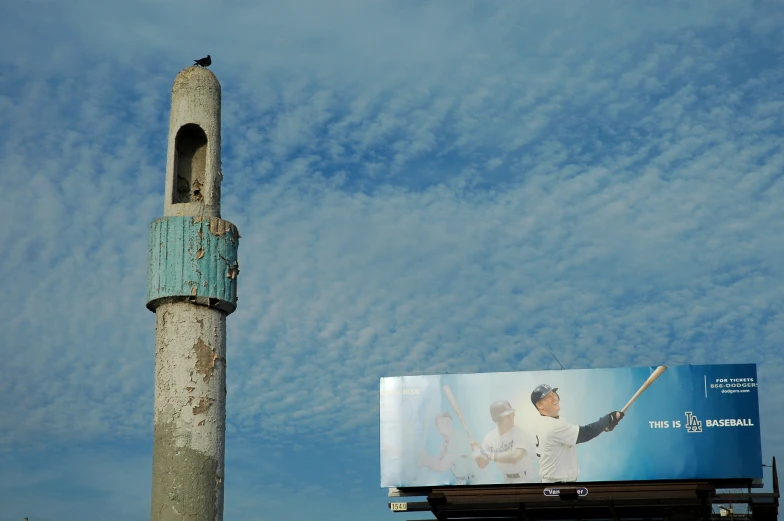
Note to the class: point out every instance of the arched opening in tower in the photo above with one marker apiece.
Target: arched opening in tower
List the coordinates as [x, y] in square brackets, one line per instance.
[190, 164]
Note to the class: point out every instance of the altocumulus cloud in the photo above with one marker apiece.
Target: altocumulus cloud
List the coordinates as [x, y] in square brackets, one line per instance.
[420, 188]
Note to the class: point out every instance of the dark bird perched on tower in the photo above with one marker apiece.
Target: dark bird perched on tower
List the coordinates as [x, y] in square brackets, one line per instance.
[203, 62]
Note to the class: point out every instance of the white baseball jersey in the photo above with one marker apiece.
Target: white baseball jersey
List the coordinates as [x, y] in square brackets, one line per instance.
[557, 445]
[525, 470]
[459, 453]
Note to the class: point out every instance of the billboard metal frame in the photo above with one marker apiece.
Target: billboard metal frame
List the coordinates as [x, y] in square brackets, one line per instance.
[680, 500]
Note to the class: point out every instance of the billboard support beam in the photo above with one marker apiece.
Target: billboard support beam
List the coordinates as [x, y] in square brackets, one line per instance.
[521, 513]
[692, 500]
[613, 512]
[435, 501]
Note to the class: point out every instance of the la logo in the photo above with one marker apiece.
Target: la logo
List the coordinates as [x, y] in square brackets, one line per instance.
[693, 424]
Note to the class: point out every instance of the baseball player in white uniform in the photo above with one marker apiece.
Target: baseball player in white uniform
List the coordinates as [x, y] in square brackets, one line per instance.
[454, 454]
[557, 440]
[509, 446]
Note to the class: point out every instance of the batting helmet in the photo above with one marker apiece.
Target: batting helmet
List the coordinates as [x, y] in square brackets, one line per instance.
[540, 392]
[499, 409]
[442, 415]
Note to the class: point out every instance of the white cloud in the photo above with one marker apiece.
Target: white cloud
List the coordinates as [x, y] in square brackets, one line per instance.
[420, 188]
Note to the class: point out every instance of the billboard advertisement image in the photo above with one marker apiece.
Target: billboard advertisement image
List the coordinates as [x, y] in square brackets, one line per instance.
[588, 425]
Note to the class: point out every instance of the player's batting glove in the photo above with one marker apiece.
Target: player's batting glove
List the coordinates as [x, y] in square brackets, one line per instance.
[481, 454]
[615, 417]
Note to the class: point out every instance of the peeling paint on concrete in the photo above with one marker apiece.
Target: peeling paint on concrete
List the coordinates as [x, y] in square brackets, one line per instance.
[218, 227]
[191, 364]
[204, 406]
[233, 271]
[190, 410]
[205, 359]
[189, 264]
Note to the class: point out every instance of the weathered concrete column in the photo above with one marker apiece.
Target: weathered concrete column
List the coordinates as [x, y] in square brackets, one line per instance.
[191, 287]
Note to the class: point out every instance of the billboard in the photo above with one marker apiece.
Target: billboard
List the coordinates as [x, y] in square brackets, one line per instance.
[624, 424]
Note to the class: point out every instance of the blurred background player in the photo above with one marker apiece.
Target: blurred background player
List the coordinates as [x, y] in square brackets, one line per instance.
[557, 440]
[509, 446]
[455, 454]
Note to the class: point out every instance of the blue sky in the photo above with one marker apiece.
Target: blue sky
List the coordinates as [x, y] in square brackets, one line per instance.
[421, 187]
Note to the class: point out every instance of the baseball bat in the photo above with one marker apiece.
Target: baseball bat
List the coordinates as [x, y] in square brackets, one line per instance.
[659, 370]
[428, 421]
[456, 407]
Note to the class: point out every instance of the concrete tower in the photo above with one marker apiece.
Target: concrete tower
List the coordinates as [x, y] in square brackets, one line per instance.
[192, 288]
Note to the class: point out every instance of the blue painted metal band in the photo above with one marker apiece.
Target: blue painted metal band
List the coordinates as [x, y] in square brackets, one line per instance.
[193, 259]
